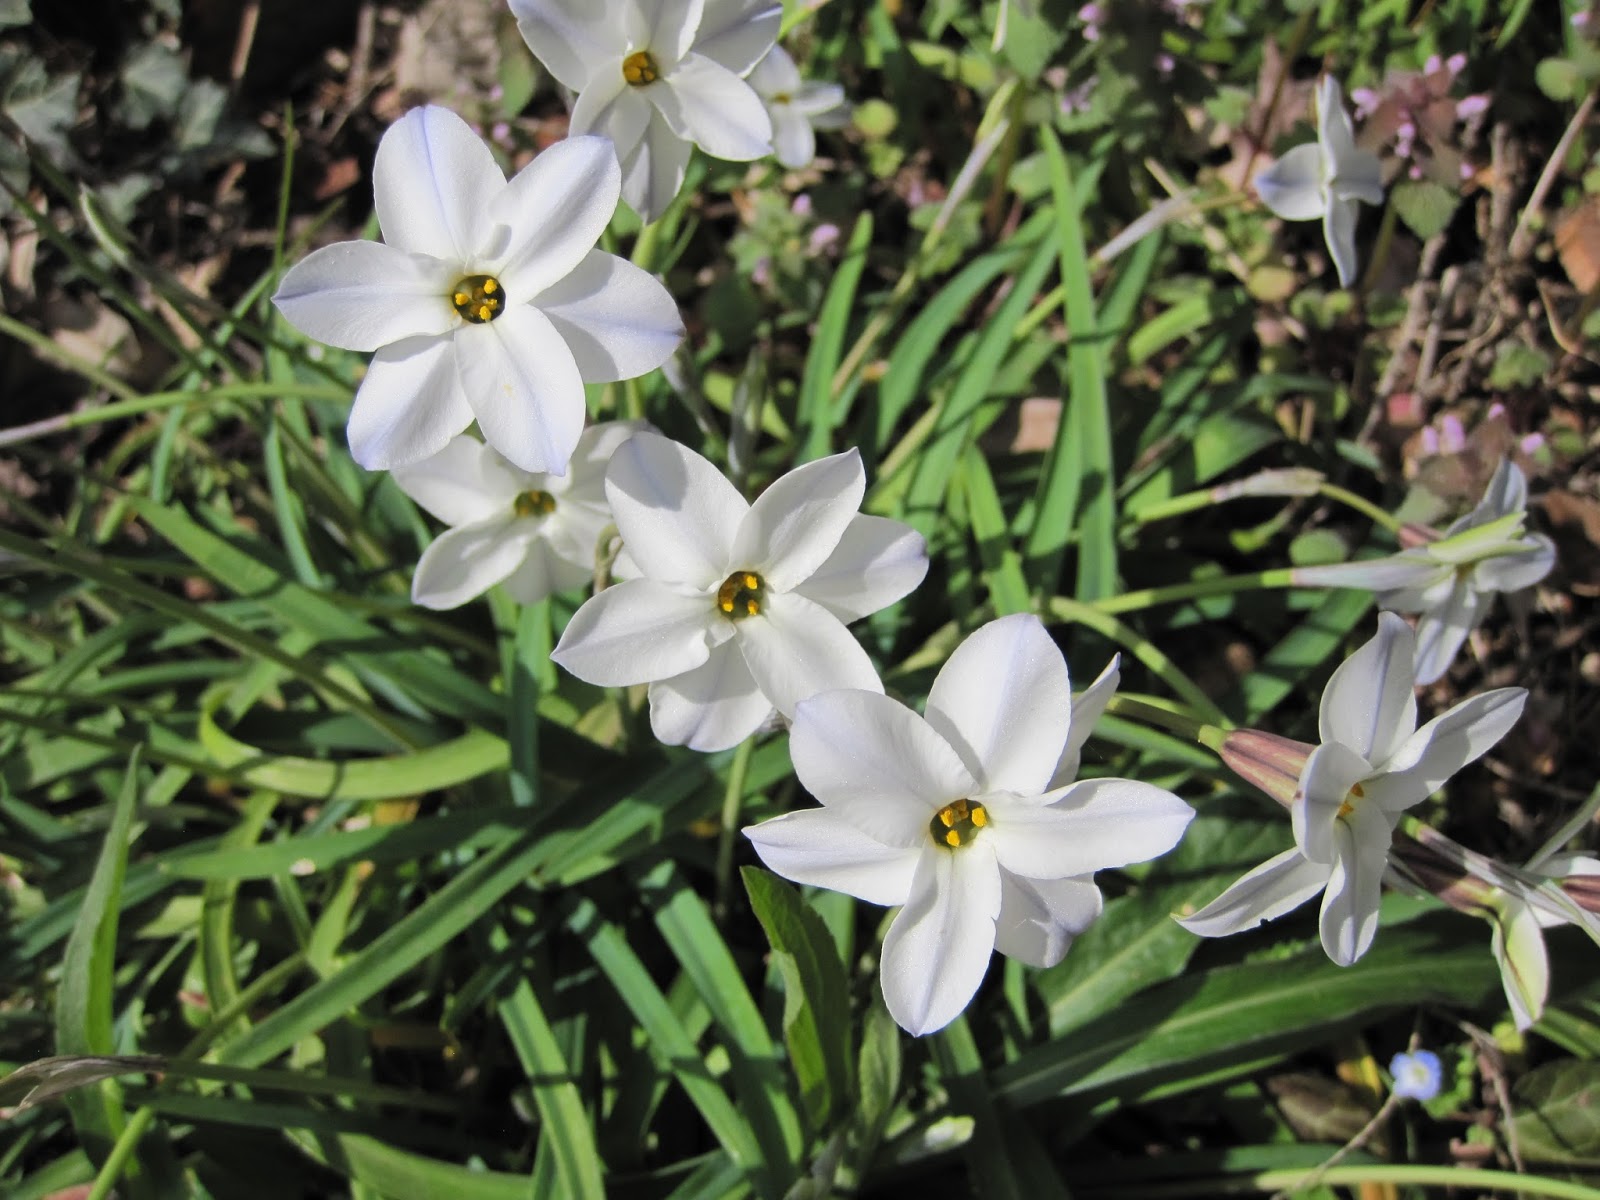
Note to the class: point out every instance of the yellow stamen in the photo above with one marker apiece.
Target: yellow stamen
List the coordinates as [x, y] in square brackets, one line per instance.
[742, 595]
[477, 298]
[534, 504]
[957, 823]
[640, 69]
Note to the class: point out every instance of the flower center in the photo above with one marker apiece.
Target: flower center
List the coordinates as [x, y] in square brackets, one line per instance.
[783, 98]
[534, 504]
[1347, 808]
[478, 298]
[639, 69]
[957, 823]
[741, 595]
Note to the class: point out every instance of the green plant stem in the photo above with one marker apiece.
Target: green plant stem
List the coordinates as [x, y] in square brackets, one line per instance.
[47, 348]
[732, 800]
[1353, 1176]
[1151, 711]
[136, 405]
[111, 1170]
[1363, 506]
[1223, 585]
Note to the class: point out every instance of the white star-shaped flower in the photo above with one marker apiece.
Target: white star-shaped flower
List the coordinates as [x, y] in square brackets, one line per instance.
[533, 532]
[798, 107]
[966, 817]
[1325, 179]
[1372, 765]
[1452, 582]
[737, 608]
[486, 299]
[657, 76]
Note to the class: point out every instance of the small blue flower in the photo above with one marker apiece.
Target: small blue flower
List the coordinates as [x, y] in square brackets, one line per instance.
[1416, 1076]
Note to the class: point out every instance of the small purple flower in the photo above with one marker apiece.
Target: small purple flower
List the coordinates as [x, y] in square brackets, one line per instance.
[1416, 1076]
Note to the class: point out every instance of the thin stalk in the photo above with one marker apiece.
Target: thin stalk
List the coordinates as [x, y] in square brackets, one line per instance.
[1354, 1176]
[111, 1170]
[732, 800]
[47, 348]
[135, 405]
[1366, 508]
[1153, 712]
[1223, 585]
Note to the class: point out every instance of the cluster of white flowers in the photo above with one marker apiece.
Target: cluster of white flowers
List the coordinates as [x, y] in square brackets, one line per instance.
[488, 302]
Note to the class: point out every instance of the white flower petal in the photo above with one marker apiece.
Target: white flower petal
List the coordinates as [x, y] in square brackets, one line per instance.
[543, 572]
[1339, 231]
[796, 649]
[774, 75]
[877, 764]
[571, 40]
[1441, 631]
[673, 25]
[820, 848]
[678, 514]
[1444, 745]
[618, 320]
[1040, 917]
[654, 167]
[1517, 943]
[362, 295]
[1369, 704]
[556, 208]
[938, 947]
[1087, 707]
[1355, 884]
[823, 104]
[465, 562]
[737, 33]
[1408, 569]
[1506, 493]
[610, 108]
[1331, 770]
[1280, 885]
[637, 632]
[409, 405]
[708, 104]
[1292, 186]
[1003, 701]
[1112, 822]
[463, 483]
[713, 707]
[794, 142]
[876, 562]
[1513, 572]
[524, 388]
[433, 183]
[795, 524]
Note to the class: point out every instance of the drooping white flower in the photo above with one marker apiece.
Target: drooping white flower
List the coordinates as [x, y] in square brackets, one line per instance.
[1372, 765]
[486, 299]
[1324, 179]
[798, 107]
[657, 76]
[737, 608]
[1452, 582]
[962, 817]
[533, 532]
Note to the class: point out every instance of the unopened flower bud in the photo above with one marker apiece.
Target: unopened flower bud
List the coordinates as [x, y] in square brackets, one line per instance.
[1270, 762]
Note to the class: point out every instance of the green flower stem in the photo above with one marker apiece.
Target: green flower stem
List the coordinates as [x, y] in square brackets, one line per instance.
[1380, 249]
[1152, 710]
[732, 800]
[135, 405]
[111, 1170]
[1093, 616]
[1365, 507]
[1290, 1180]
[1199, 589]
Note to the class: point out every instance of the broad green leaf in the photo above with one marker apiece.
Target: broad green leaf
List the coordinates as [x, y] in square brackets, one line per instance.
[1556, 1113]
[816, 995]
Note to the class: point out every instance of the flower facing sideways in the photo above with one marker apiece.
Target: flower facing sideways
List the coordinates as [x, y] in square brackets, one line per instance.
[1373, 763]
[798, 107]
[736, 608]
[1452, 581]
[486, 299]
[535, 533]
[1324, 179]
[657, 76]
[965, 817]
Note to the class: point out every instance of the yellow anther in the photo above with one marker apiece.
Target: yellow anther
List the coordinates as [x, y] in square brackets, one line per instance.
[534, 504]
[640, 69]
[742, 595]
[476, 298]
[957, 823]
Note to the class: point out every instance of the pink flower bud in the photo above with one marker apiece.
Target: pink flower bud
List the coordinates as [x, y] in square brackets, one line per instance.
[1270, 762]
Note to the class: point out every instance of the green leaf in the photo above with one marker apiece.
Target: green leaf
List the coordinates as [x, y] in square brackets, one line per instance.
[1425, 206]
[1559, 78]
[153, 81]
[816, 995]
[1556, 1113]
[820, 411]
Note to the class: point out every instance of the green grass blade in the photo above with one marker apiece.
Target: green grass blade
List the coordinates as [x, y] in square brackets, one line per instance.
[817, 416]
